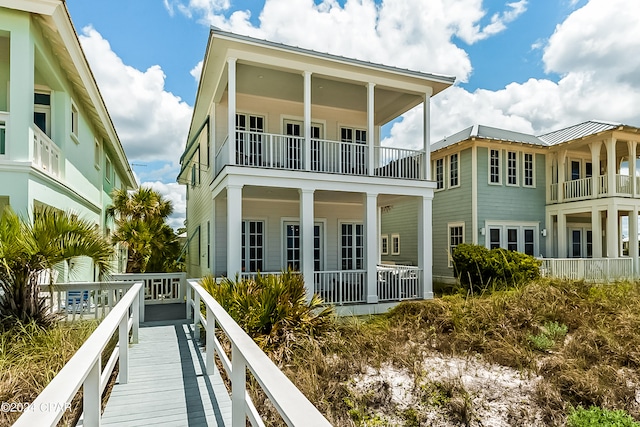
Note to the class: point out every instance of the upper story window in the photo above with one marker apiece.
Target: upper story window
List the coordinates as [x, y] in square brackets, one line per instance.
[439, 174]
[512, 168]
[75, 119]
[575, 170]
[97, 153]
[108, 169]
[528, 170]
[453, 171]
[42, 111]
[494, 167]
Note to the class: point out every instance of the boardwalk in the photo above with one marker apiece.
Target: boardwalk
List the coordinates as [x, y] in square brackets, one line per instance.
[168, 384]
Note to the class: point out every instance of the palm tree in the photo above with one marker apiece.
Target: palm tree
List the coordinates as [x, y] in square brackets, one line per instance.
[29, 248]
[142, 228]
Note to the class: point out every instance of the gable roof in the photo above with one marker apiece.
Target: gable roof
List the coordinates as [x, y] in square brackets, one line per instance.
[488, 132]
[578, 131]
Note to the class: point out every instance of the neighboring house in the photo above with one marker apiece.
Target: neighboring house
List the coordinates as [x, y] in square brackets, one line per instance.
[540, 195]
[58, 146]
[284, 168]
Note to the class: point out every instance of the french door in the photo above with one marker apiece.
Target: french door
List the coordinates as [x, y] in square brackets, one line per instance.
[292, 249]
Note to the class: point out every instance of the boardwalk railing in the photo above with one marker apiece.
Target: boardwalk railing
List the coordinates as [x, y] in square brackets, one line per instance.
[589, 269]
[398, 282]
[159, 288]
[84, 368]
[294, 408]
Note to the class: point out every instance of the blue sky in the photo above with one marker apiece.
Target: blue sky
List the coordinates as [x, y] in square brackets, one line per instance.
[524, 65]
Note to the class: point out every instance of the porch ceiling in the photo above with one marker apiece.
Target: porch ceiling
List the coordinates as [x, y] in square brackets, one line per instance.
[328, 92]
[320, 196]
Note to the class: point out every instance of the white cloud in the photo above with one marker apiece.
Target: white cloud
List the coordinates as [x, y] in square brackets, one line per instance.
[151, 122]
[176, 193]
[196, 71]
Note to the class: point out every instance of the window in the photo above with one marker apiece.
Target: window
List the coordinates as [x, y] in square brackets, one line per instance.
[528, 170]
[453, 170]
[384, 244]
[252, 245]
[440, 174]
[351, 246]
[42, 111]
[516, 237]
[588, 170]
[75, 117]
[512, 168]
[575, 170]
[249, 149]
[3, 138]
[108, 169]
[494, 238]
[529, 244]
[97, 153]
[292, 249]
[456, 237]
[494, 167]
[395, 244]
[512, 239]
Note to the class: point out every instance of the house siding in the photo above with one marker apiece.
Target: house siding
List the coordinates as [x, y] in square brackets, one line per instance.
[401, 219]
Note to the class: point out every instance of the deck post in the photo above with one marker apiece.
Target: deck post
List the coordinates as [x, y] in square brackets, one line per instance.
[135, 314]
[307, 234]
[196, 316]
[238, 388]
[209, 348]
[91, 399]
[307, 120]
[141, 303]
[123, 343]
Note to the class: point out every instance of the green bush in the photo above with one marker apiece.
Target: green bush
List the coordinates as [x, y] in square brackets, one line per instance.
[598, 417]
[551, 334]
[480, 268]
[272, 309]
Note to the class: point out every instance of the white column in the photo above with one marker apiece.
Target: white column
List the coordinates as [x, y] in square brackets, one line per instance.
[371, 111]
[425, 243]
[548, 170]
[426, 137]
[612, 232]
[611, 168]
[632, 145]
[595, 168]
[633, 239]
[596, 233]
[307, 120]
[562, 236]
[21, 89]
[231, 124]
[562, 159]
[234, 230]
[371, 245]
[306, 239]
[549, 239]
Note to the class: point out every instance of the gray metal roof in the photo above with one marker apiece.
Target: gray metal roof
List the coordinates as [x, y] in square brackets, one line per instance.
[487, 132]
[577, 131]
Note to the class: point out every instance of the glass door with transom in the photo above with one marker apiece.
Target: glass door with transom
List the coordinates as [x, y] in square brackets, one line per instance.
[292, 248]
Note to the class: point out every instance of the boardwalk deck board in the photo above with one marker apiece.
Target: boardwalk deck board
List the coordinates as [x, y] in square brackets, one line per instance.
[168, 384]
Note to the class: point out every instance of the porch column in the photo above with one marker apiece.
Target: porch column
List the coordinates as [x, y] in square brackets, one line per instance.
[633, 145]
[562, 159]
[426, 137]
[633, 239]
[562, 236]
[611, 168]
[425, 243]
[596, 233]
[595, 168]
[612, 232]
[371, 111]
[306, 240]
[371, 246]
[234, 230]
[548, 174]
[21, 89]
[307, 120]
[231, 124]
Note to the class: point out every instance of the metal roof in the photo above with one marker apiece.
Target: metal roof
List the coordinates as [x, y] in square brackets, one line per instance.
[487, 132]
[578, 131]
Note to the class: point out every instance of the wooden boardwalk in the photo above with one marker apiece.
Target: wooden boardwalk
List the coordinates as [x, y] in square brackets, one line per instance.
[168, 384]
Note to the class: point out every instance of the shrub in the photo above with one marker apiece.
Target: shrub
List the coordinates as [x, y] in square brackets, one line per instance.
[598, 417]
[272, 309]
[481, 268]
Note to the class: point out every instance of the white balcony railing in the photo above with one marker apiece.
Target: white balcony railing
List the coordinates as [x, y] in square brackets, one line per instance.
[46, 154]
[276, 151]
[603, 185]
[589, 269]
[553, 192]
[578, 189]
[398, 282]
[623, 185]
[342, 286]
[159, 288]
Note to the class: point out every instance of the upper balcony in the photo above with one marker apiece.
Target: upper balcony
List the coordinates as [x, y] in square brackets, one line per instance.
[46, 155]
[293, 153]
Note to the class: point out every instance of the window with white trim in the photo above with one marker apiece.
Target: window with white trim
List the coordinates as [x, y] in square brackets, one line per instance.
[513, 237]
[494, 166]
[512, 168]
[97, 153]
[252, 245]
[292, 248]
[108, 169]
[456, 237]
[439, 174]
[395, 244]
[75, 118]
[495, 237]
[384, 244]
[528, 170]
[453, 171]
[351, 246]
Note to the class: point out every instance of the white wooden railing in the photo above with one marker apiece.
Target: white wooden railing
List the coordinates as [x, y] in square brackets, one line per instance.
[159, 288]
[578, 189]
[623, 185]
[84, 369]
[294, 408]
[46, 154]
[399, 163]
[553, 192]
[398, 282]
[589, 269]
[603, 185]
[83, 300]
[341, 286]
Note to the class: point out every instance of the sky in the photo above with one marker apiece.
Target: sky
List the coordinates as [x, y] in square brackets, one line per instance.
[524, 65]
